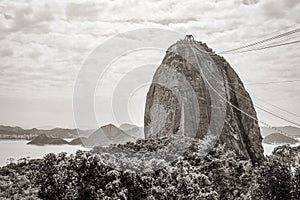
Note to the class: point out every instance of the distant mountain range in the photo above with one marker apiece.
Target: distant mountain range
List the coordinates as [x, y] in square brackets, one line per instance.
[7, 132]
[104, 136]
[290, 131]
[108, 134]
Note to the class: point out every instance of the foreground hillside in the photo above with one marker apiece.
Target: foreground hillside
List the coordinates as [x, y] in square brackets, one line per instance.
[154, 169]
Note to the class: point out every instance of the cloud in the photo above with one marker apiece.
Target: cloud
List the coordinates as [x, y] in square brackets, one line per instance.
[88, 10]
[35, 54]
[279, 9]
[7, 16]
[6, 52]
[27, 17]
[43, 44]
[250, 2]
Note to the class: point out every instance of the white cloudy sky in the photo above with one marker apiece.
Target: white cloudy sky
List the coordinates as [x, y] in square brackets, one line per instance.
[44, 43]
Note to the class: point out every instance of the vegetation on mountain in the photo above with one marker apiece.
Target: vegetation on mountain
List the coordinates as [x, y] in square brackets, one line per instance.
[122, 172]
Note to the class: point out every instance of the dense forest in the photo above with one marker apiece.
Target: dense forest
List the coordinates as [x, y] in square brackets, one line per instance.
[154, 169]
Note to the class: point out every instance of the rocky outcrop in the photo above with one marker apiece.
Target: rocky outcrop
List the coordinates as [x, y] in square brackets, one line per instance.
[196, 93]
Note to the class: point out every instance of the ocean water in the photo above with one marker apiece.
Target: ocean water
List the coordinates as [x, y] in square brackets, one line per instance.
[17, 149]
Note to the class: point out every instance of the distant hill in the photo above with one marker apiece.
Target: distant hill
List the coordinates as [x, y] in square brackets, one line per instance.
[289, 130]
[278, 138]
[127, 126]
[44, 139]
[16, 129]
[106, 135]
[7, 132]
[133, 130]
[46, 127]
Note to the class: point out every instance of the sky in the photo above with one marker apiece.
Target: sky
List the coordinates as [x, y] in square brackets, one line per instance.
[44, 44]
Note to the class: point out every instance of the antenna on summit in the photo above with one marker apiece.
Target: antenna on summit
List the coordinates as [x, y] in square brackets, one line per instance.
[189, 38]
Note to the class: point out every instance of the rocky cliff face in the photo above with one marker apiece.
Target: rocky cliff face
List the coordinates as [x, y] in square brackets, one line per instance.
[197, 94]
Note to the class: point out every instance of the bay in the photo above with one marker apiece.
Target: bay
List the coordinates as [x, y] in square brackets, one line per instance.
[17, 149]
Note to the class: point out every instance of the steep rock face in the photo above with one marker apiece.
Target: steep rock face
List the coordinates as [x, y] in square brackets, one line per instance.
[196, 93]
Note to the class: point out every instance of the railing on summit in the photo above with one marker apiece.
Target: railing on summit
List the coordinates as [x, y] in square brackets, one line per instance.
[189, 38]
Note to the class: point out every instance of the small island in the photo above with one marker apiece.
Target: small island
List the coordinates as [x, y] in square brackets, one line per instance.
[43, 139]
[278, 138]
